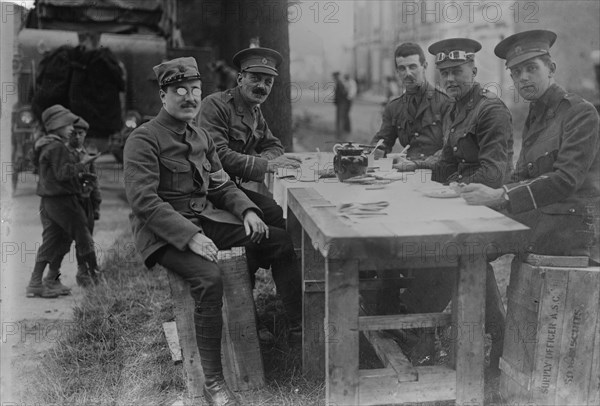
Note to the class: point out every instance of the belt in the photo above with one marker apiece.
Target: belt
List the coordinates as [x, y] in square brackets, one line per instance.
[195, 204]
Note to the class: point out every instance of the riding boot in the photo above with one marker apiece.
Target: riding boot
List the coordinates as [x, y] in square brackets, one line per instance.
[83, 277]
[208, 320]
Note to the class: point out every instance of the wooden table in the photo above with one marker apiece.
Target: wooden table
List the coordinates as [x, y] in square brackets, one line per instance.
[417, 232]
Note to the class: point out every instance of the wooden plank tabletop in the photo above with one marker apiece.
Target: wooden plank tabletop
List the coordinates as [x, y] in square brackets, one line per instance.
[414, 225]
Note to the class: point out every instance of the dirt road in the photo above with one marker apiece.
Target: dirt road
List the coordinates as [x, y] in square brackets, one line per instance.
[31, 326]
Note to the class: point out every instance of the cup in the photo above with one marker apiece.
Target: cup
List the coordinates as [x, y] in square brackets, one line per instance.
[384, 164]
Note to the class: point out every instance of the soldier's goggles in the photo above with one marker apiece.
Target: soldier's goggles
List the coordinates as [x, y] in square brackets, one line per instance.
[182, 91]
[453, 56]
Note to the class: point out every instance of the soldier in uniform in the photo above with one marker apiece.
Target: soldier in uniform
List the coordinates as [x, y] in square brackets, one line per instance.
[185, 208]
[60, 210]
[555, 189]
[245, 144]
[478, 148]
[414, 118]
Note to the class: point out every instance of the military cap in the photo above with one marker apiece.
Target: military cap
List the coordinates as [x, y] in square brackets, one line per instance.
[81, 124]
[453, 51]
[176, 70]
[57, 116]
[525, 45]
[258, 60]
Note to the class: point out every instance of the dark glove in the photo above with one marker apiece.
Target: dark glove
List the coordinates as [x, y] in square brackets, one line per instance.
[96, 215]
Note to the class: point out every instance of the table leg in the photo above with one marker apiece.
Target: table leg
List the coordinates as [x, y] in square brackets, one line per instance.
[341, 332]
[313, 310]
[468, 316]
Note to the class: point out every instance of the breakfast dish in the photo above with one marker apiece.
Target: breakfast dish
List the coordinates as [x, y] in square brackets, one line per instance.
[443, 192]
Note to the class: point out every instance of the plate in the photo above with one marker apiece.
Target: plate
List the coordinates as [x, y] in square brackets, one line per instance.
[440, 193]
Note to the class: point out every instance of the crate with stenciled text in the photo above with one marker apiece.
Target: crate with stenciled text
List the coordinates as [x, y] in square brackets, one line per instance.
[552, 338]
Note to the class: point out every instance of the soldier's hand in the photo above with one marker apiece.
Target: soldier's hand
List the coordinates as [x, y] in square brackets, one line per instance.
[96, 215]
[203, 246]
[283, 162]
[403, 164]
[87, 158]
[255, 227]
[378, 153]
[478, 194]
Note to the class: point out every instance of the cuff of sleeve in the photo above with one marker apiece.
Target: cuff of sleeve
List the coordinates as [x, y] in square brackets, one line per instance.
[520, 197]
[255, 168]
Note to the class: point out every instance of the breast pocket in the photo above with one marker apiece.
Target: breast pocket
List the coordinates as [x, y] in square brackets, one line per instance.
[175, 174]
[541, 158]
[403, 127]
[468, 145]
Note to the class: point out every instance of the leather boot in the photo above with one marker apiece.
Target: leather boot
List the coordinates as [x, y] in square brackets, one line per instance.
[55, 284]
[217, 393]
[36, 288]
[52, 280]
[82, 277]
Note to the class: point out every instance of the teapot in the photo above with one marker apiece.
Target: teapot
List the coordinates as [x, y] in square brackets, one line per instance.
[349, 161]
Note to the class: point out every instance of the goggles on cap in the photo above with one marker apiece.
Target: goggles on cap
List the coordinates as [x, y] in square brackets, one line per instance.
[182, 91]
[453, 56]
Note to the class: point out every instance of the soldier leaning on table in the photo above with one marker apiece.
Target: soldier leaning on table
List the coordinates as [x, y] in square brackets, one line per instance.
[414, 118]
[555, 189]
[185, 208]
[60, 211]
[478, 148]
[246, 146]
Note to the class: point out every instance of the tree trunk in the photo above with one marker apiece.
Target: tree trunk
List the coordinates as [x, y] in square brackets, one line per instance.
[228, 26]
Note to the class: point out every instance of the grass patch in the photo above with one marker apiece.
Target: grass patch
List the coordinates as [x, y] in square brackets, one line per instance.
[115, 352]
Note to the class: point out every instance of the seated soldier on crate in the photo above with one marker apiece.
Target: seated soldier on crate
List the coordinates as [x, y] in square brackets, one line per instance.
[555, 189]
[185, 208]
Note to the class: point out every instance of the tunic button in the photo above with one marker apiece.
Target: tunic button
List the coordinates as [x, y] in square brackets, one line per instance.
[459, 176]
[530, 165]
[455, 149]
[571, 210]
[463, 161]
[452, 130]
[530, 248]
[422, 155]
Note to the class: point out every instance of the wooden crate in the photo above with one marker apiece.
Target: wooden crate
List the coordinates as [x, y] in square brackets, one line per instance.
[240, 350]
[552, 338]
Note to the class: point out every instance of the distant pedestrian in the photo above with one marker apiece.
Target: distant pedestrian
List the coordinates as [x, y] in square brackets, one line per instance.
[340, 98]
[392, 90]
[60, 210]
[351, 91]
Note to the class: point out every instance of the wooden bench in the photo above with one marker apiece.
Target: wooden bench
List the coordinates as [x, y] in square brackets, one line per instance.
[241, 356]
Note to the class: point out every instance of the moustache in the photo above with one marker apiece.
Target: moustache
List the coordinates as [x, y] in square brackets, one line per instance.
[260, 91]
[188, 104]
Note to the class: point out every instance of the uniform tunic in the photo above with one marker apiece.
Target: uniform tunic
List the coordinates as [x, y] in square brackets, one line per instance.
[555, 189]
[173, 178]
[415, 119]
[244, 142]
[479, 141]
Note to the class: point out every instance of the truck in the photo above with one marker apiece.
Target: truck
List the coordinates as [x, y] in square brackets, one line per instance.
[141, 34]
